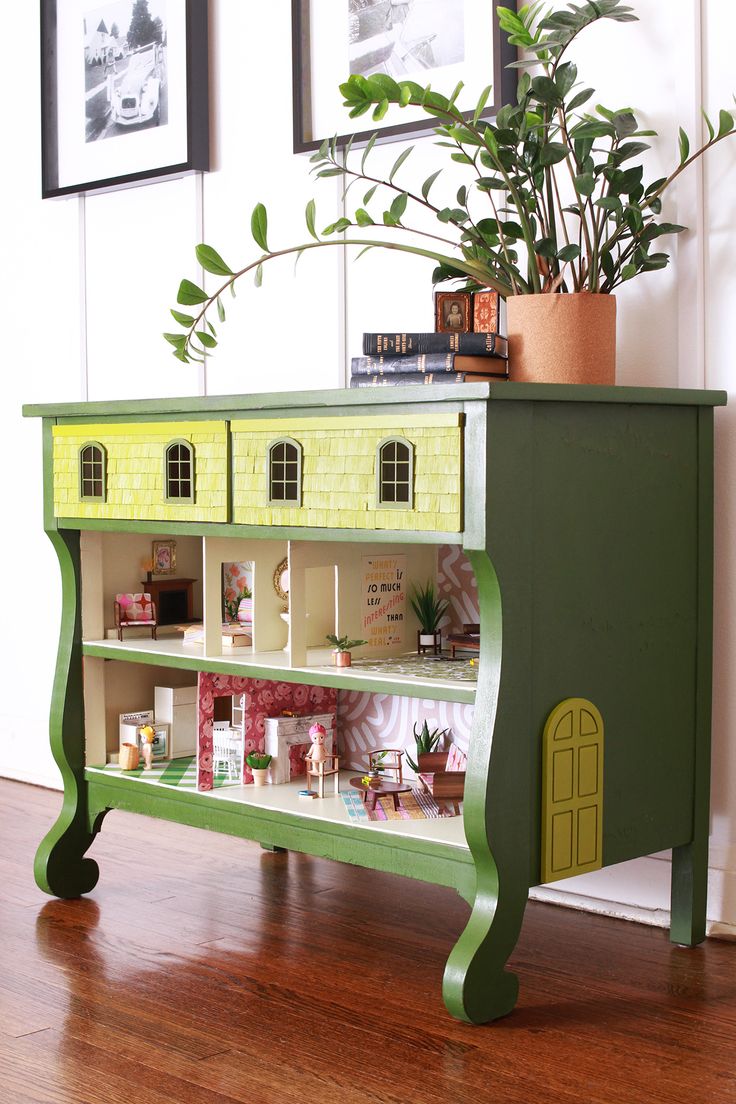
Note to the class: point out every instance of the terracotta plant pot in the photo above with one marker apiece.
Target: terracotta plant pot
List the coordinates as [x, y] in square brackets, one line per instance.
[562, 338]
[343, 659]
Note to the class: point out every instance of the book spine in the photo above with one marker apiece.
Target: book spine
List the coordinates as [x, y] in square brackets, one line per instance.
[425, 362]
[408, 379]
[413, 344]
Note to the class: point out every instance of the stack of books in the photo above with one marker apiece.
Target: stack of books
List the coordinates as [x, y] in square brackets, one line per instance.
[396, 360]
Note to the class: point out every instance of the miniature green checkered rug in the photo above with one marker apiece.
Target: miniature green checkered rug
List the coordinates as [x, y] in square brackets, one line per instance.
[181, 773]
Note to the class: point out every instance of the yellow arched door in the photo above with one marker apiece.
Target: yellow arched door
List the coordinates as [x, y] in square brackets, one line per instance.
[572, 790]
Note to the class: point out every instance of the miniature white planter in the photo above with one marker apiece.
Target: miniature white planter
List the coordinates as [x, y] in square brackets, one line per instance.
[260, 776]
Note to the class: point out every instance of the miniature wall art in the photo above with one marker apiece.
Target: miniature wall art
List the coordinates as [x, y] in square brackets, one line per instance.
[164, 557]
[415, 41]
[123, 92]
[384, 600]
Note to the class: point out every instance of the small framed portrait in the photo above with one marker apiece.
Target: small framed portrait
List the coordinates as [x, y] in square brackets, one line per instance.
[164, 557]
[453, 312]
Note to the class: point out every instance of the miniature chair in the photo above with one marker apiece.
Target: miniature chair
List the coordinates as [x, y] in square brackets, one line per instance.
[135, 609]
[320, 771]
[388, 759]
[442, 774]
[468, 639]
[228, 748]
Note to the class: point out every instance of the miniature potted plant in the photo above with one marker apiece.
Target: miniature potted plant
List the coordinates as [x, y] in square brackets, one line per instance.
[343, 647]
[426, 742]
[258, 762]
[240, 608]
[555, 202]
[429, 610]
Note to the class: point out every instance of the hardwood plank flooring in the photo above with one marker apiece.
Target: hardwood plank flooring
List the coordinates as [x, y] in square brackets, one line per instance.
[203, 970]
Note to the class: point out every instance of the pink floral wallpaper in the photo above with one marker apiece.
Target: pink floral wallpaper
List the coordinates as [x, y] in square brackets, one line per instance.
[263, 699]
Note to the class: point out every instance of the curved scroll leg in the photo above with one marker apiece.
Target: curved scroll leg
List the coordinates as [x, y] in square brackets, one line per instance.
[60, 867]
[477, 986]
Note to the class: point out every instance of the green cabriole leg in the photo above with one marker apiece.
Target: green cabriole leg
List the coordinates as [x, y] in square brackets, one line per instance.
[60, 867]
[477, 987]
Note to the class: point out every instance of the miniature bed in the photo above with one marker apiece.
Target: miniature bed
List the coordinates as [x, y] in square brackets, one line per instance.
[587, 516]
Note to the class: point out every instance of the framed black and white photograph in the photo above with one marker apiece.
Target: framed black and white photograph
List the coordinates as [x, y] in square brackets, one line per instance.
[123, 92]
[437, 42]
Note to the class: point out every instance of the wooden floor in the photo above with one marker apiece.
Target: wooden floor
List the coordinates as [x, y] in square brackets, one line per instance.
[205, 971]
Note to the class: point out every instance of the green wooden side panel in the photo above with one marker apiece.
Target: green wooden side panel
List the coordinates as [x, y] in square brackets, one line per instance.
[572, 790]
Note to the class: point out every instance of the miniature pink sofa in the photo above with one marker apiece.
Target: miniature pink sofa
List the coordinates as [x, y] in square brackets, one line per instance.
[135, 609]
[442, 774]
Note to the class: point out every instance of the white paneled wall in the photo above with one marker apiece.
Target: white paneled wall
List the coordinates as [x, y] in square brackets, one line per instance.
[87, 285]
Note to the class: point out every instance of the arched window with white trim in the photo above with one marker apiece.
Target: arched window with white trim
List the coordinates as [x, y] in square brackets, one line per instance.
[179, 472]
[285, 472]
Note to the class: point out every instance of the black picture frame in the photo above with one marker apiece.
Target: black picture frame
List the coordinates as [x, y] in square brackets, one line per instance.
[504, 87]
[189, 148]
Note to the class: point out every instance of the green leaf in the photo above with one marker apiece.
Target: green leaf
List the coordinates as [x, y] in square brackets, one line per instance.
[189, 294]
[568, 253]
[310, 214]
[482, 101]
[363, 218]
[177, 340]
[258, 277]
[211, 261]
[428, 183]
[367, 150]
[684, 144]
[206, 339]
[369, 195]
[565, 78]
[607, 264]
[404, 95]
[628, 271]
[220, 309]
[585, 183]
[624, 124]
[545, 90]
[259, 226]
[553, 152]
[545, 247]
[580, 98]
[186, 320]
[398, 206]
[708, 123]
[380, 111]
[398, 163]
[609, 203]
[725, 122]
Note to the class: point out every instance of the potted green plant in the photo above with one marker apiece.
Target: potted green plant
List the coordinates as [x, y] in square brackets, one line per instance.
[426, 742]
[555, 214]
[240, 608]
[342, 648]
[258, 762]
[429, 610]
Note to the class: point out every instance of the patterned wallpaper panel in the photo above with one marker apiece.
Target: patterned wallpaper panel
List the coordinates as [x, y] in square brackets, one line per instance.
[367, 722]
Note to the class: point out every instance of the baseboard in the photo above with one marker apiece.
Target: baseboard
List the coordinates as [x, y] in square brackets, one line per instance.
[51, 782]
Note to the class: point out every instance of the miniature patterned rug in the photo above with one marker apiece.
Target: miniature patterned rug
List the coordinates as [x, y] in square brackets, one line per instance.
[425, 667]
[416, 805]
[181, 773]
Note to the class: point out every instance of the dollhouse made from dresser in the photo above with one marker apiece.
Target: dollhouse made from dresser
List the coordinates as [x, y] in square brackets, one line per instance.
[586, 514]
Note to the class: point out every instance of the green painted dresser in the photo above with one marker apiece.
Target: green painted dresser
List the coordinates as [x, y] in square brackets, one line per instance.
[587, 515]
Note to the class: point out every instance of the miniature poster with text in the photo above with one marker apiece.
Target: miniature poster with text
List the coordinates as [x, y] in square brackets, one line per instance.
[384, 600]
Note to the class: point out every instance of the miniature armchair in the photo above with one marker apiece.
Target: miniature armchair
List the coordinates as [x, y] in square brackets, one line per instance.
[442, 774]
[135, 609]
[390, 760]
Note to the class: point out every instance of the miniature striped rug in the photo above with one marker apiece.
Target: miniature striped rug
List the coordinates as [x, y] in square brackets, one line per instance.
[181, 773]
[416, 805]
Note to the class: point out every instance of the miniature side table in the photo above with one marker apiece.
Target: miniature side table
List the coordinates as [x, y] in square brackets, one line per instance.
[382, 790]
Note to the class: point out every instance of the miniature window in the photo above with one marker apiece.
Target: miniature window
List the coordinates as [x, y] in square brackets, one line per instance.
[179, 472]
[285, 472]
[395, 473]
[92, 473]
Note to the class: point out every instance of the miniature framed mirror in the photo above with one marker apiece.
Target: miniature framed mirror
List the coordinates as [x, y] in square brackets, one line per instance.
[281, 582]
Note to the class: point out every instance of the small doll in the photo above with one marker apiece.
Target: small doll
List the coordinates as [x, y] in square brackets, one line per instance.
[317, 753]
[147, 738]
